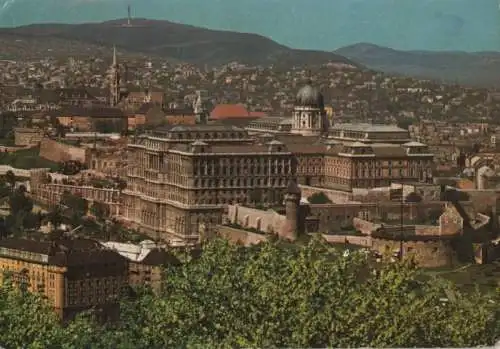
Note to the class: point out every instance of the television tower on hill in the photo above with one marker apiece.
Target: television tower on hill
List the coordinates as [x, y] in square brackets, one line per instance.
[128, 23]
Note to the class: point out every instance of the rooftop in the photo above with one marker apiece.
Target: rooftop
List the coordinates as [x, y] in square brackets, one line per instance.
[61, 252]
[230, 149]
[145, 252]
[366, 127]
[414, 144]
[229, 111]
[271, 120]
[191, 128]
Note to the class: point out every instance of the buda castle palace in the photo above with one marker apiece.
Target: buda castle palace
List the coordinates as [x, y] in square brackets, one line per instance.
[180, 179]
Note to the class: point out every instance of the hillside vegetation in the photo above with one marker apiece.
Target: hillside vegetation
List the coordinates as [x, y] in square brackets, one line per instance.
[177, 41]
[272, 296]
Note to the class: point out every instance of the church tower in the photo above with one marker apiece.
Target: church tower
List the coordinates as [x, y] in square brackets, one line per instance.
[114, 85]
[309, 115]
[200, 111]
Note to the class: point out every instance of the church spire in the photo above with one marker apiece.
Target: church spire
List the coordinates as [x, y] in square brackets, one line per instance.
[114, 86]
[199, 109]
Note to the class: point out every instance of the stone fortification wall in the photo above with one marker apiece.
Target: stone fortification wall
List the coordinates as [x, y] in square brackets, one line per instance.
[429, 254]
[240, 236]
[334, 217]
[265, 221]
[363, 241]
[58, 152]
[335, 196]
[18, 172]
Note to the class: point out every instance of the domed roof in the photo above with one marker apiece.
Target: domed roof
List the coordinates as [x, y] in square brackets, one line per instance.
[309, 96]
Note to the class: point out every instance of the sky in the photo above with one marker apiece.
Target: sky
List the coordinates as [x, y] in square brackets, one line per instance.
[466, 25]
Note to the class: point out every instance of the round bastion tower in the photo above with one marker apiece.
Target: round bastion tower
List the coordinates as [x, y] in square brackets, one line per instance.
[309, 116]
[292, 227]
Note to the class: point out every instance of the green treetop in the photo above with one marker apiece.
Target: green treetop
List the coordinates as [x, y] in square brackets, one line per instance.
[273, 296]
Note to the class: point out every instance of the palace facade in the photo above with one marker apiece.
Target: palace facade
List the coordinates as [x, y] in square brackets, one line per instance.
[180, 179]
[175, 187]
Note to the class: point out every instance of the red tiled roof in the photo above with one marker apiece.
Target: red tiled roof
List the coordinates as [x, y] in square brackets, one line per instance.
[229, 111]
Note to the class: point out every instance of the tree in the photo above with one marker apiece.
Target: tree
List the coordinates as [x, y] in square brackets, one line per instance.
[10, 178]
[55, 216]
[319, 198]
[3, 228]
[8, 120]
[21, 215]
[100, 210]
[5, 188]
[255, 196]
[19, 202]
[272, 295]
[405, 123]
[413, 198]
[76, 205]
[121, 184]
[71, 167]
[311, 296]
[60, 130]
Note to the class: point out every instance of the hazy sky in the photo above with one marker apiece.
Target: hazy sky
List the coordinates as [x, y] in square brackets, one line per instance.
[469, 25]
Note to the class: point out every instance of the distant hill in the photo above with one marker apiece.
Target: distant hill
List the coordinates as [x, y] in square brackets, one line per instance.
[476, 69]
[318, 24]
[178, 41]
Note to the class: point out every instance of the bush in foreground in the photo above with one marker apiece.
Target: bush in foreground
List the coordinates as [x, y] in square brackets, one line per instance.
[272, 296]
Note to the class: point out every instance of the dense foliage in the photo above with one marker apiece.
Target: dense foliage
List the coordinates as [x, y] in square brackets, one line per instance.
[21, 215]
[71, 167]
[26, 159]
[319, 198]
[272, 296]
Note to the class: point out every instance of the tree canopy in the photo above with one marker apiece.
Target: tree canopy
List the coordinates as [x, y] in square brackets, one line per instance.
[11, 179]
[413, 198]
[21, 212]
[319, 198]
[71, 167]
[77, 204]
[271, 296]
[100, 210]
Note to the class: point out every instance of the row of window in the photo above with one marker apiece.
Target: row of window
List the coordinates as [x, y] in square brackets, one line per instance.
[229, 171]
[240, 161]
[241, 182]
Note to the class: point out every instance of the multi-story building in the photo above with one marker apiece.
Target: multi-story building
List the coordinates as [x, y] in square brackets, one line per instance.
[73, 274]
[173, 188]
[147, 262]
[359, 165]
[180, 179]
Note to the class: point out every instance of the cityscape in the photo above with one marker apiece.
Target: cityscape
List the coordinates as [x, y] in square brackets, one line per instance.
[151, 202]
